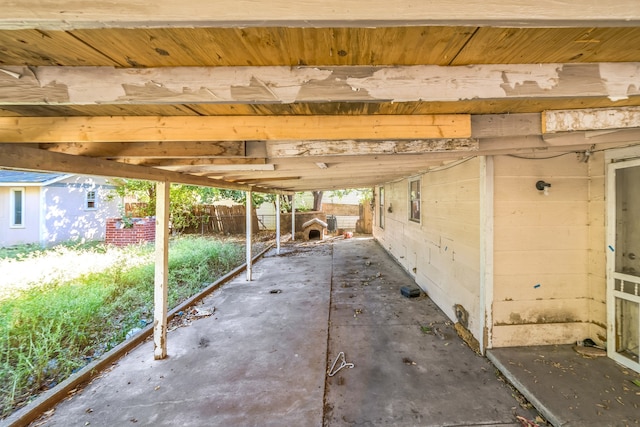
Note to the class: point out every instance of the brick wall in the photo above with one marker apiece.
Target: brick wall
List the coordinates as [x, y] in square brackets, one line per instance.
[143, 230]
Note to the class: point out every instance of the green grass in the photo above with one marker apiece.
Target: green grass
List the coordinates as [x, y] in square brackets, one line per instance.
[34, 249]
[50, 330]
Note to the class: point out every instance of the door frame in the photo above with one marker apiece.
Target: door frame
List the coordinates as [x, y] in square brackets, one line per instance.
[612, 168]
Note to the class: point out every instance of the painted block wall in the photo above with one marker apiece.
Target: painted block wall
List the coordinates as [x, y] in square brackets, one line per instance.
[442, 252]
[549, 283]
[542, 284]
[27, 234]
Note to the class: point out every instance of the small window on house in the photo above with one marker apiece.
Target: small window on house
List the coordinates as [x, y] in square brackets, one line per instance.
[414, 200]
[381, 210]
[90, 200]
[16, 205]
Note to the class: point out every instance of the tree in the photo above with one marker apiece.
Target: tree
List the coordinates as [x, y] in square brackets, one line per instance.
[317, 200]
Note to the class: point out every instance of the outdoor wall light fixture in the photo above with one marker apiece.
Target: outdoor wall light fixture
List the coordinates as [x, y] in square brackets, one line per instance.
[390, 208]
[543, 186]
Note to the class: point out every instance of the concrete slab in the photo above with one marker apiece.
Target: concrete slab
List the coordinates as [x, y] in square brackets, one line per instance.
[410, 366]
[570, 389]
[261, 359]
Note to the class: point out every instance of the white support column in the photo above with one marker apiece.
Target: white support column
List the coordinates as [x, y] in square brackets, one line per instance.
[293, 217]
[249, 229]
[160, 299]
[486, 252]
[278, 224]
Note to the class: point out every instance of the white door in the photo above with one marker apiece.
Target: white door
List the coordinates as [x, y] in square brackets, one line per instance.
[623, 263]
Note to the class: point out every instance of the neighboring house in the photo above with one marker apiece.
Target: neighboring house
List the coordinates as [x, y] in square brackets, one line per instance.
[48, 208]
[530, 264]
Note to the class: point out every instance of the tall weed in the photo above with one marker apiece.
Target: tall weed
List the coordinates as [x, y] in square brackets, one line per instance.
[49, 331]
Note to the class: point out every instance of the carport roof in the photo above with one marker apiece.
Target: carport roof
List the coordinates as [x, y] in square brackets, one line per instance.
[316, 96]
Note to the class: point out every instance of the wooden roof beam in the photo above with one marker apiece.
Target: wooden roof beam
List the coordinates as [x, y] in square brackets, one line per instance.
[198, 161]
[48, 85]
[350, 147]
[151, 150]
[230, 128]
[21, 157]
[313, 13]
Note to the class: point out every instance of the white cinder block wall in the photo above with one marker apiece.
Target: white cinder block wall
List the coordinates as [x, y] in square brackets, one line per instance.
[548, 283]
[541, 251]
[442, 252]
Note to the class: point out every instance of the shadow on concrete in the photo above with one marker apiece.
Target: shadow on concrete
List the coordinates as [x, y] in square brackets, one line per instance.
[261, 358]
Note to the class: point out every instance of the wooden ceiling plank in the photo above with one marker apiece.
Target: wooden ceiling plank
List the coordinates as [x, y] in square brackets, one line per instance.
[167, 47]
[231, 128]
[21, 157]
[287, 85]
[47, 48]
[549, 45]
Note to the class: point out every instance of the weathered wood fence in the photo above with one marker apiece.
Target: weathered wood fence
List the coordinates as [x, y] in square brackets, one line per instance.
[212, 219]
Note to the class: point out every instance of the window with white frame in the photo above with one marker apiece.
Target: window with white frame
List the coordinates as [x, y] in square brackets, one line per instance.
[414, 200]
[16, 205]
[381, 210]
[90, 200]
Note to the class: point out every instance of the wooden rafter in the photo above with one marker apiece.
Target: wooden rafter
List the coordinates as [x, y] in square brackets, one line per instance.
[199, 161]
[21, 157]
[151, 150]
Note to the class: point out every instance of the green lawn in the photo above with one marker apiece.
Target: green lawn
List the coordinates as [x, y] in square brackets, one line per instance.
[61, 308]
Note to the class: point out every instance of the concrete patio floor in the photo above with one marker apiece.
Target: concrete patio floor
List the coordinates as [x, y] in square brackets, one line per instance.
[570, 389]
[262, 358]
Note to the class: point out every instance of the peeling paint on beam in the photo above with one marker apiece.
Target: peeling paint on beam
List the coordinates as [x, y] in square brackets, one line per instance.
[348, 147]
[248, 85]
[590, 119]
